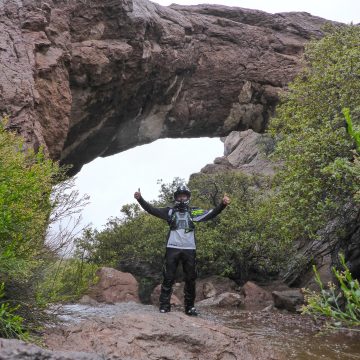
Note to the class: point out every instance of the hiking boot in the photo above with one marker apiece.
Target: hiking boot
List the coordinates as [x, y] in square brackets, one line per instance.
[191, 312]
[164, 310]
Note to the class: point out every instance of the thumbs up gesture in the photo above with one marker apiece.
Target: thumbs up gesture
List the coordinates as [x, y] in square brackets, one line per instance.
[226, 200]
[137, 194]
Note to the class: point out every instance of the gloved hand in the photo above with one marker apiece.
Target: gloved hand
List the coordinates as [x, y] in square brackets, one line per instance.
[226, 200]
[137, 194]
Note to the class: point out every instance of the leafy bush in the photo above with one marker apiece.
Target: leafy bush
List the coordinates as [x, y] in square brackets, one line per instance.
[319, 174]
[239, 242]
[341, 305]
[136, 236]
[26, 181]
[354, 133]
[11, 324]
[33, 193]
[66, 280]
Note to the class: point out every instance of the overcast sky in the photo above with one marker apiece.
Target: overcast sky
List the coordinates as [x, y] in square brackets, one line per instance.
[111, 181]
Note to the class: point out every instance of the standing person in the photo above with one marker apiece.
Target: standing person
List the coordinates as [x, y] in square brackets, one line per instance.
[181, 244]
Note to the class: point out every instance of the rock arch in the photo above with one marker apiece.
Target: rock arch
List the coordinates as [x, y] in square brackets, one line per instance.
[91, 78]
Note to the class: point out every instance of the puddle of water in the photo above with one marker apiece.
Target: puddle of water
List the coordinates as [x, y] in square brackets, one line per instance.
[298, 336]
[75, 313]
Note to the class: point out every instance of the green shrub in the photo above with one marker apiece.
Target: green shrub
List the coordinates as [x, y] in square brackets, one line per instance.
[26, 180]
[136, 236]
[318, 175]
[66, 280]
[33, 192]
[353, 132]
[340, 304]
[240, 240]
[11, 324]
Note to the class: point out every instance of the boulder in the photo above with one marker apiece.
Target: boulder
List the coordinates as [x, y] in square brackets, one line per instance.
[150, 335]
[290, 300]
[208, 290]
[226, 299]
[255, 296]
[212, 285]
[114, 286]
[174, 300]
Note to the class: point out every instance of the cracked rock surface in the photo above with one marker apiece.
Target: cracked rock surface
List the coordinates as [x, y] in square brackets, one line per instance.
[145, 334]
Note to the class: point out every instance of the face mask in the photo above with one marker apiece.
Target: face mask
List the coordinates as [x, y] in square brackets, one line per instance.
[182, 204]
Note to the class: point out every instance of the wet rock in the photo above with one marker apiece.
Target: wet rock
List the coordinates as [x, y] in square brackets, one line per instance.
[19, 350]
[255, 296]
[114, 286]
[290, 300]
[76, 313]
[147, 335]
[226, 299]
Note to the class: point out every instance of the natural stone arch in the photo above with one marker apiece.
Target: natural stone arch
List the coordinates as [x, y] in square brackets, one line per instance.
[93, 78]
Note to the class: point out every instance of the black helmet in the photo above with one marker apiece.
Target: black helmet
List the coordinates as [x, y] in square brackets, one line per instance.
[182, 189]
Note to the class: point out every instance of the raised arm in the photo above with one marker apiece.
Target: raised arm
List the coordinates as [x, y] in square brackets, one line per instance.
[161, 213]
[199, 215]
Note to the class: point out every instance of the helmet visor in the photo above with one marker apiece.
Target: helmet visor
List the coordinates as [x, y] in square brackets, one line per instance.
[182, 197]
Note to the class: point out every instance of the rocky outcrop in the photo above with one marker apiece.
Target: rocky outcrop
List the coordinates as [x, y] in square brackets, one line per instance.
[325, 249]
[244, 151]
[93, 79]
[149, 335]
[114, 286]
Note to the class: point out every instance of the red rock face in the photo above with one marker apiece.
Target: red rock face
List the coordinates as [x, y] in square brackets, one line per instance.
[93, 78]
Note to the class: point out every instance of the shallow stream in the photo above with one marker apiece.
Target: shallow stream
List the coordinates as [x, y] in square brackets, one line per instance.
[296, 335]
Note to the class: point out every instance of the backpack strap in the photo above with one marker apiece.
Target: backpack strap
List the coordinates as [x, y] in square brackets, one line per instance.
[171, 210]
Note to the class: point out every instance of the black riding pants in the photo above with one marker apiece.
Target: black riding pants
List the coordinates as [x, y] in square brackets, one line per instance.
[172, 258]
